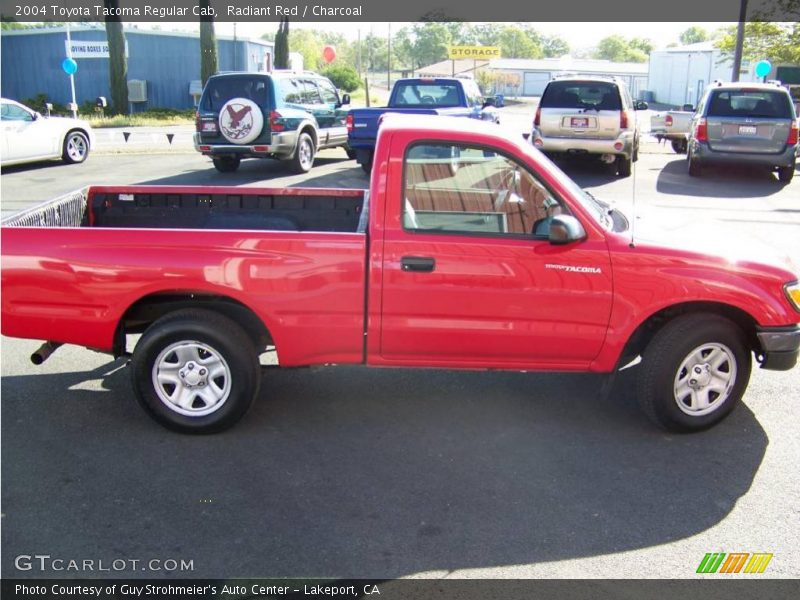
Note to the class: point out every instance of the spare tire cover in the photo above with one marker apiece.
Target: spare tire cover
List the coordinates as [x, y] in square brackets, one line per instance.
[240, 120]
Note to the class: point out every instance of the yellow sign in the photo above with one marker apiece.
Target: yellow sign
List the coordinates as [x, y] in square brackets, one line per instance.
[474, 52]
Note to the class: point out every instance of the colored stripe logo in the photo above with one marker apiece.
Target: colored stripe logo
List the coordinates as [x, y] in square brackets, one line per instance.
[734, 562]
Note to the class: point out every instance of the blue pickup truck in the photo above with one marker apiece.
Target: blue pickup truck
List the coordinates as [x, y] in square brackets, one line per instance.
[454, 97]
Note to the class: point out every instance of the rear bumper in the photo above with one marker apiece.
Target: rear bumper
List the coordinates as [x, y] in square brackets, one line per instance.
[780, 347]
[703, 153]
[282, 145]
[620, 146]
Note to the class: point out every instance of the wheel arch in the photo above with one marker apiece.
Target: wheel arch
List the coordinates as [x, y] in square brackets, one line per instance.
[147, 309]
[79, 130]
[645, 331]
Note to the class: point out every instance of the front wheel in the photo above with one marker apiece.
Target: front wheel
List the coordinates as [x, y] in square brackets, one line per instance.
[75, 148]
[303, 158]
[693, 373]
[195, 371]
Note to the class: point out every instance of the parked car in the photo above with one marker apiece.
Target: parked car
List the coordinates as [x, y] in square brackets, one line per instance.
[452, 97]
[745, 124]
[673, 125]
[501, 263]
[589, 115]
[29, 136]
[284, 115]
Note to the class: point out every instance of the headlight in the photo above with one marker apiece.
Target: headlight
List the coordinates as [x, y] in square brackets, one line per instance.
[793, 293]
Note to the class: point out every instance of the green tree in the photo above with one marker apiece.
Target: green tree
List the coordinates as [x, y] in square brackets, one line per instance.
[343, 76]
[778, 42]
[208, 43]
[620, 49]
[117, 61]
[309, 44]
[282, 45]
[693, 35]
[554, 46]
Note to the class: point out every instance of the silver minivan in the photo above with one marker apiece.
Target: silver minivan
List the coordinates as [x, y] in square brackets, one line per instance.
[589, 115]
[745, 123]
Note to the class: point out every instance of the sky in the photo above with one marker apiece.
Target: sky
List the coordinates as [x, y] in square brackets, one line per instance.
[577, 35]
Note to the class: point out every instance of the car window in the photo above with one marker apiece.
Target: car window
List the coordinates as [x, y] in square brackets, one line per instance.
[220, 90]
[474, 96]
[310, 92]
[581, 94]
[454, 188]
[292, 91]
[426, 94]
[12, 112]
[327, 91]
[750, 103]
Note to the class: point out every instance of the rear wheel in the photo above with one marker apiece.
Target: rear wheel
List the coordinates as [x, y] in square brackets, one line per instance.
[694, 167]
[303, 158]
[785, 174]
[226, 164]
[195, 371]
[365, 160]
[679, 146]
[624, 166]
[693, 373]
[75, 148]
[351, 154]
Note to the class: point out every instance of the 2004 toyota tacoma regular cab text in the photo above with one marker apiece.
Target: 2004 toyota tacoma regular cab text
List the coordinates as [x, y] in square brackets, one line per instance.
[470, 250]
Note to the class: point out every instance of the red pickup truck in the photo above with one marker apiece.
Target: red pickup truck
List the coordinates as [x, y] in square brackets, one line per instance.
[470, 250]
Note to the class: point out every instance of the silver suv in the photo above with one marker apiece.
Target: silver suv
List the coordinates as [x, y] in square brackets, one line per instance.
[589, 115]
[745, 123]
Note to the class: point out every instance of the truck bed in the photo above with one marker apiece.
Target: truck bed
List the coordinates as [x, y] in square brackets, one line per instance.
[75, 267]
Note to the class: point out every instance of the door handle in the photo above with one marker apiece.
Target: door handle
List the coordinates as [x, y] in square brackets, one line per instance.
[423, 264]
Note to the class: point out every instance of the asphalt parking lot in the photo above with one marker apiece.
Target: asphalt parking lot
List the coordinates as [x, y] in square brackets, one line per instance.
[349, 472]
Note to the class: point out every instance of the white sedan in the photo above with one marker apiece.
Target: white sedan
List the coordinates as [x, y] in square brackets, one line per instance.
[29, 136]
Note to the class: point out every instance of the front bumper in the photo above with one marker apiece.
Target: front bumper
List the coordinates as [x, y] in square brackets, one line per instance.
[703, 153]
[282, 145]
[780, 347]
[575, 144]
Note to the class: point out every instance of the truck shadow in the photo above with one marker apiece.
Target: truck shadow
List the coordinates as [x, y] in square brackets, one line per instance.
[717, 181]
[352, 472]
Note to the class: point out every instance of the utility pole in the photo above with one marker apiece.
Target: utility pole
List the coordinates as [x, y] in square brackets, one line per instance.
[74, 105]
[358, 55]
[389, 59]
[737, 53]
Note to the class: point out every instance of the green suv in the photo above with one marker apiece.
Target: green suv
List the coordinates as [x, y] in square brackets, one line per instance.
[284, 115]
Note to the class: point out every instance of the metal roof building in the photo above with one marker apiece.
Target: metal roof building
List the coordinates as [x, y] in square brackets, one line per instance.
[169, 63]
[528, 77]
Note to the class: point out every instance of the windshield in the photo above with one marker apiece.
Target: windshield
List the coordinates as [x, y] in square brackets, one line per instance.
[426, 94]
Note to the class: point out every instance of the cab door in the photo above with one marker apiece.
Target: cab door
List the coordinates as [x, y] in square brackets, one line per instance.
[332, 118]
[469, 278]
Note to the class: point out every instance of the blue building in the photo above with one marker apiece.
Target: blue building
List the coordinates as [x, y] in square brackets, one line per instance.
[169, 63]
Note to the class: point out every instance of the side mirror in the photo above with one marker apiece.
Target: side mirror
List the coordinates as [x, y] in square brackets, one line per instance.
[36, 116]
[640, 105]
[688, 107]
[565, 229]
[345, 99]
[489, 102]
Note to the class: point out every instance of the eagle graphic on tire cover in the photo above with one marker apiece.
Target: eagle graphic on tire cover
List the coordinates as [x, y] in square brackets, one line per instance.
[239, 119]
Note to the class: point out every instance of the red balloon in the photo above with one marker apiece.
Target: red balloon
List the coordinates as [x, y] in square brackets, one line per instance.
[329, 54]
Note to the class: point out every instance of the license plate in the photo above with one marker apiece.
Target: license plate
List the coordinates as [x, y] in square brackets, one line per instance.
[579, 122]
[747, 130]
[209, 126]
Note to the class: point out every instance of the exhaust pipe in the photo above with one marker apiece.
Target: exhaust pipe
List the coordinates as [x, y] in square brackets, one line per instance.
[44, 352]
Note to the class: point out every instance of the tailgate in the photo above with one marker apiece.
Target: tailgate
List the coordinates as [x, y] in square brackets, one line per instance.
[365, 121]
[736, 134]
[567, 122]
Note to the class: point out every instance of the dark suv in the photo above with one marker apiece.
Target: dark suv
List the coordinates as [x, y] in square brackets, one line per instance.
[284, 115]
[745, 124]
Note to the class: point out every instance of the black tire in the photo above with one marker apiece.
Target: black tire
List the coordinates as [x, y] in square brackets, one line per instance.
[179, 345]
[304, 153]
[785, 174]
[226, 164]
[75, 148]
[695, 170]
[636, 151]
[366, 156]
[682, 345]
[624, 166]
[678, 146]
[351, 154]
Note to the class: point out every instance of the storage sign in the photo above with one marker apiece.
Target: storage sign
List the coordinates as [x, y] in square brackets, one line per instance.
[473, 52]
[87, 49]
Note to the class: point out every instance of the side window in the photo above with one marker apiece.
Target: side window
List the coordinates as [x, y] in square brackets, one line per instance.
[12, 112]
[327, 91]
[292, 91]
[458, 188]
[310, 92]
